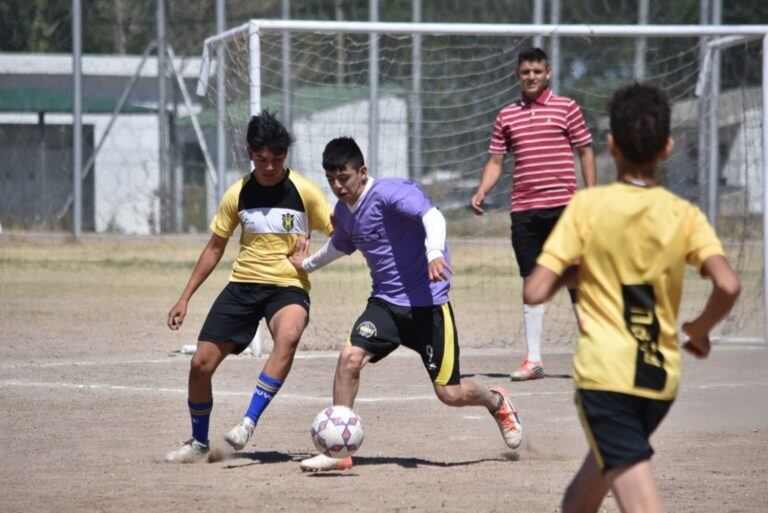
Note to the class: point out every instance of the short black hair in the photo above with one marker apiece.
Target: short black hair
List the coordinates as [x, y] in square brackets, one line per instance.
[264, 130]
[640, 122]
[341, 152]
[532, 54]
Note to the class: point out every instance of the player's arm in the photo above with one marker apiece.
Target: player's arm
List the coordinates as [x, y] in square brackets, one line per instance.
[587, 160]
[303, 261]
[434, 226]
[206, 263]
[725, 291]
[489, 178]
[543, 283]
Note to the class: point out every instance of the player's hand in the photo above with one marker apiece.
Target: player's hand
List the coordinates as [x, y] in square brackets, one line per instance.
[477, 203]
[439, 270]
[177, 314]
[300, 252]
[698, 343]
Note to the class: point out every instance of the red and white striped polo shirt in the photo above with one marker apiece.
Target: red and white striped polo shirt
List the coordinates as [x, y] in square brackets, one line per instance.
[541, 135]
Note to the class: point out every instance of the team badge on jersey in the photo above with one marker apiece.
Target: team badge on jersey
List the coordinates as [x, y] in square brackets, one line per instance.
[366, 329]
[288, 220]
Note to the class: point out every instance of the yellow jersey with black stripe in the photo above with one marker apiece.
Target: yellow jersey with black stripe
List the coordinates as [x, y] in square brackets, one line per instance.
[272, 218]
[632, 244]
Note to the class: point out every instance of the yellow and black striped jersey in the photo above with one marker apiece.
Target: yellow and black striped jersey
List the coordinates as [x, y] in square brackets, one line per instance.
[272, 219]
[632, 244]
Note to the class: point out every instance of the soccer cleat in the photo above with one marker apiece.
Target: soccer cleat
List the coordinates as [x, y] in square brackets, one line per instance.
[507, 419]
[528, 370]
[190, 452]
[239, 435]
[323, 463]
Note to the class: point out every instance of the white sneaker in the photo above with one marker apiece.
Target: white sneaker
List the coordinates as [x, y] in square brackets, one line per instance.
[190, 452]
[507, 419]
[322, 463]
[239, 435]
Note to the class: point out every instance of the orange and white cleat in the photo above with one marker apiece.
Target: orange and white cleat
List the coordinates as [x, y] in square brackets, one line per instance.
[528, 370]
[507, 419]
[323, 463]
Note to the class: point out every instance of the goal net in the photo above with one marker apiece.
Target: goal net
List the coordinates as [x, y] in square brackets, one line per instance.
[421, 99]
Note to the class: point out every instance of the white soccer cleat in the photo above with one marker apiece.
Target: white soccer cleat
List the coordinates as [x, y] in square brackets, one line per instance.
[190, 452]
[507, 419]
[239, 435]
[323, 463]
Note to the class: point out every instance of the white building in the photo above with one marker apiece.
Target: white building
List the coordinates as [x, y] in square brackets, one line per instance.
[36, 90]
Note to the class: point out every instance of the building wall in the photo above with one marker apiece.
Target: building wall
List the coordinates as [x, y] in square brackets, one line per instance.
[36, 176]
[126, 177]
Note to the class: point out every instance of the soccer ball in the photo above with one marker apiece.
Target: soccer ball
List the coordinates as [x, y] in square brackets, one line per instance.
[337, 431]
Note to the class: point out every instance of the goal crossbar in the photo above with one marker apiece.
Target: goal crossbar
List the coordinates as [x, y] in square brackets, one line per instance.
[494, 29]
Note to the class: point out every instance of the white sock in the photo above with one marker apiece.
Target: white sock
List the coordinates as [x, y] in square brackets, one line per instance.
[533, 316]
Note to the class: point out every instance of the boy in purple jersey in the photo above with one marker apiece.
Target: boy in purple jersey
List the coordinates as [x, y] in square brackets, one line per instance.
[402, 237]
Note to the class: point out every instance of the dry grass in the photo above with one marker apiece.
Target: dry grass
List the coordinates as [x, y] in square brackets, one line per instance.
[110, 278]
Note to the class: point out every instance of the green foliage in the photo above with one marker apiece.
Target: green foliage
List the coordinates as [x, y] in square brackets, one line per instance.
[126, 26]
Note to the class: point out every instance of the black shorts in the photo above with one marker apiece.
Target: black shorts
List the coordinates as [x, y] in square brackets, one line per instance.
[618, 426]
[530, 230]
[236, 313]
[428, 330]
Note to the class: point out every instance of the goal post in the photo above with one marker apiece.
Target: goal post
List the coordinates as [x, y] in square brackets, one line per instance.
[717, 45]
[436, 87]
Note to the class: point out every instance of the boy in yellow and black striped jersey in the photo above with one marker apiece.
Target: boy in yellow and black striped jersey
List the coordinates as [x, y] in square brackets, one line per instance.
[275, 208]
[631, 241]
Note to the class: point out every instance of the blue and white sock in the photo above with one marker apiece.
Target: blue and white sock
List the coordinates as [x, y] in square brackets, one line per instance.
[200, 414]
[266, 389]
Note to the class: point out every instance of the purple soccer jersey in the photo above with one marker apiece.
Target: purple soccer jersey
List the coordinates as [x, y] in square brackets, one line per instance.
[387, 229]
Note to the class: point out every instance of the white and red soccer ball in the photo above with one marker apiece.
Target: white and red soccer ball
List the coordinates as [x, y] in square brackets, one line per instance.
[337, 431]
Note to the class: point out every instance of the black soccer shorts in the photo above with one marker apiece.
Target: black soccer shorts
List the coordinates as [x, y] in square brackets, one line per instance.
[236, 313]
[530, 230]
[428, 330]
[618, 426]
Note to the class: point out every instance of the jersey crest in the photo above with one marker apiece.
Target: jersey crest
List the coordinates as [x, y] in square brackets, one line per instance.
[288, 220]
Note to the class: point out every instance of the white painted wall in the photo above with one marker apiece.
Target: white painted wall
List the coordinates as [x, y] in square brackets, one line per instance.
[744, 165]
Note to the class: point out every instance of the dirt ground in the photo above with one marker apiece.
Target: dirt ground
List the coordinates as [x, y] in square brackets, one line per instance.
[93, 391]
[90, 434]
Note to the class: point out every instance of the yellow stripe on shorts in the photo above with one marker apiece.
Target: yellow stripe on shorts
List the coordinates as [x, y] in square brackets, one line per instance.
[588, 431]
[446, 366]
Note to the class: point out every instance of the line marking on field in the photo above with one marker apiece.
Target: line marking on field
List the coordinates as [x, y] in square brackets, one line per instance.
[176, 357]
[732, 344]
[83, 363]
[307, 398]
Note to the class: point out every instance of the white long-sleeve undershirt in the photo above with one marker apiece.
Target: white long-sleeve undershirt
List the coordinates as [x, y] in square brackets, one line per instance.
[434, 225]
[322, 257]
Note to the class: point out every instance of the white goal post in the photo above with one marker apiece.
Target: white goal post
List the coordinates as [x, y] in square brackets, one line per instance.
[718, 38]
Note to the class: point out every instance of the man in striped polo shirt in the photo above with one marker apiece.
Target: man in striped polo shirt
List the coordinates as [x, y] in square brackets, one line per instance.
[540, 130]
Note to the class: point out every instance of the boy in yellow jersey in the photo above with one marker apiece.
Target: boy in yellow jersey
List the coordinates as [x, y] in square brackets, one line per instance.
[275, 207]
[631, 241]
